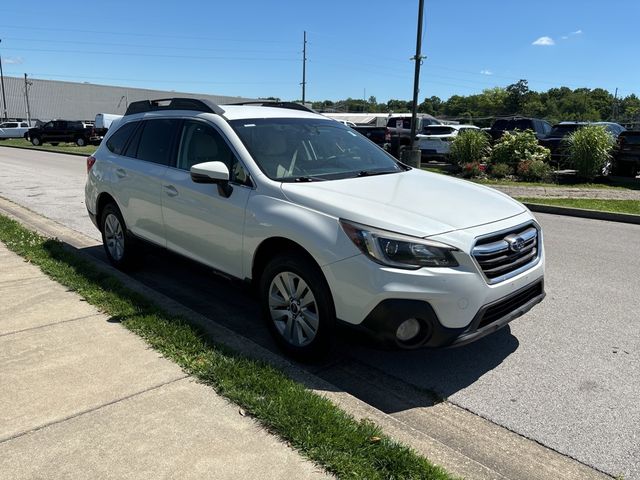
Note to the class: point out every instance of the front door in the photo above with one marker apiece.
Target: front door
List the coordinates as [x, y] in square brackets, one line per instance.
[200, 222]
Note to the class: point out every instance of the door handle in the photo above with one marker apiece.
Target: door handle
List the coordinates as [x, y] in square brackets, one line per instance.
[121, 173]
[171, 190]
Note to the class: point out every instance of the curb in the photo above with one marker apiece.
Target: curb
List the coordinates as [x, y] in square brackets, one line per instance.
[582, 213]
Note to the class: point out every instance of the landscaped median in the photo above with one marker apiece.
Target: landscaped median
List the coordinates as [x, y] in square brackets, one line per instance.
[631, 207]
[309, 422]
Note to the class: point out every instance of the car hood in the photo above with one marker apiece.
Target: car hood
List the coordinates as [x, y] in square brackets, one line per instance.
[414, 202]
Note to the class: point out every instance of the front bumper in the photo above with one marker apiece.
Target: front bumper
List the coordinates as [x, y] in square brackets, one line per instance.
[382, 323]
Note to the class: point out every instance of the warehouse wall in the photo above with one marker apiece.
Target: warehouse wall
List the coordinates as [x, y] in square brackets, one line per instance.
[51, 99]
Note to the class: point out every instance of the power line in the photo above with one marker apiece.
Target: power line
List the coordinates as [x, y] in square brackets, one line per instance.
[137, 34]
[153, 55]
[133, 45]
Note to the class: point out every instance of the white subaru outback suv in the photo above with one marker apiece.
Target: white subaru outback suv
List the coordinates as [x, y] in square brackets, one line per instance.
[328, 227]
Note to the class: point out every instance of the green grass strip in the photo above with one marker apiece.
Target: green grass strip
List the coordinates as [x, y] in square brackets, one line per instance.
[47, 147]
[615, 206]
[309, 422]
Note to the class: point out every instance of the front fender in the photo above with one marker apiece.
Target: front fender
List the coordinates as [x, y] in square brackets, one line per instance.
[319, 234]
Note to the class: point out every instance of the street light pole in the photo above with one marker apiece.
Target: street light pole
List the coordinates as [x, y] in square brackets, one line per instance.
[4, 100]
[27, 84]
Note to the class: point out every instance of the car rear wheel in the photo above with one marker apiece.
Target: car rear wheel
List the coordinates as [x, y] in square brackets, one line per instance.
[297, 306]
[36, 141]
[81, 141]
[119, 245]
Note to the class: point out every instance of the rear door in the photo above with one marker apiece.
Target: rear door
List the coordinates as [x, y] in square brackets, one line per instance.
[138, 173]
[199, 221]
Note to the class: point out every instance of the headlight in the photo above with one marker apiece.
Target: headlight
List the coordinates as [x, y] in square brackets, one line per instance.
[397, 250]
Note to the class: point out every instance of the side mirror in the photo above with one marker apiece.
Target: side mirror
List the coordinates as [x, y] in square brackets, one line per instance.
[212, 172]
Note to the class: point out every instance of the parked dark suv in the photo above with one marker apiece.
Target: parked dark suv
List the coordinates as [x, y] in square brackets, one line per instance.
[626, 158]
[555, 141]
[540, 127]
[58, 131]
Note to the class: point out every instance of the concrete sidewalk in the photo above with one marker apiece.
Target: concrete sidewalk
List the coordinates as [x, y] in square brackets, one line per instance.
[82, 397]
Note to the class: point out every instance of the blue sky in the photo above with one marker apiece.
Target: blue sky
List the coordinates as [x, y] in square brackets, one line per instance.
[355, 47]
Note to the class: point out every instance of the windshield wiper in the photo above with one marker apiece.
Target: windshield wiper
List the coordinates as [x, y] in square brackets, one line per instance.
[370, 173]
[308, 179]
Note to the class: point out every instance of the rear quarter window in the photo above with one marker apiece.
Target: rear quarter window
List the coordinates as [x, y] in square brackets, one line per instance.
[118, 141]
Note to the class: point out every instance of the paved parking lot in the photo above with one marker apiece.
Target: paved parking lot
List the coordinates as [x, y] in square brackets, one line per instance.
[565, 375]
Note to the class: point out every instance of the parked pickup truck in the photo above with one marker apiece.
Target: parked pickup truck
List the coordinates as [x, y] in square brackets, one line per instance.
[103, 122]
[58, 131]
[373, 133]
[398, 131]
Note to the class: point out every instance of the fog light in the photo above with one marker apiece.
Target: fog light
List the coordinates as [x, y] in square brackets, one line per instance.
[408, 330]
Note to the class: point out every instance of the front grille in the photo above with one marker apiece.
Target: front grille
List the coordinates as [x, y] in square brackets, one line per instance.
[505, 254]
[508, 305]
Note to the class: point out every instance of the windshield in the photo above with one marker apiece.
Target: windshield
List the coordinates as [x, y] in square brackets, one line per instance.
[560, 131]
[303, 149]
[438, 130]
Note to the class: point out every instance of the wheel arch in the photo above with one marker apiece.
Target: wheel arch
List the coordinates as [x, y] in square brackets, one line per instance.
[271, 247]
[103, 200]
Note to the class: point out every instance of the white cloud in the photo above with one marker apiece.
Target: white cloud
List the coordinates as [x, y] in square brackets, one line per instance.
[544, 42]
[577, 32]
[13, 60]
[564, 37]
[486, 72]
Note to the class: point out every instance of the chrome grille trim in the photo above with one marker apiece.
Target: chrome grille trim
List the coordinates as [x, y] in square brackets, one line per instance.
[507, 253]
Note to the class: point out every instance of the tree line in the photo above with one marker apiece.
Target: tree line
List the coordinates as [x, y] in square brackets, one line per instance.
[554, 105]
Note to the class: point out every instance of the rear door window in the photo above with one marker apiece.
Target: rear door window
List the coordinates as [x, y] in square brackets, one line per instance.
[157, 140]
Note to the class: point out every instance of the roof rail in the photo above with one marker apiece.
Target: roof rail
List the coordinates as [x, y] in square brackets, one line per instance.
[199, 105]
[276, 104]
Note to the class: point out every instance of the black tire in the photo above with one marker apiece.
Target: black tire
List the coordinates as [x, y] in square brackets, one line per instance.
[119, 245]
[55, 144]
[319, 313]
[36, 141]
[81, 141]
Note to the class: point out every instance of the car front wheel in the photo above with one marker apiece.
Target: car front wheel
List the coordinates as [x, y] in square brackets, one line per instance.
[36, 141]
[118, 244]
[297, 306]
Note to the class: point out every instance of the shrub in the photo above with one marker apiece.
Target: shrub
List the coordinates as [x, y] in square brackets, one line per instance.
[589, 150]
[470, 146]
[534, 170]
[515, 147]
[472, 170]
[500, 170]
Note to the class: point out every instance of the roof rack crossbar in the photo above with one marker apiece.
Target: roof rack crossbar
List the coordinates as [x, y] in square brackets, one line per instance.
[269, 103]
[200, 105]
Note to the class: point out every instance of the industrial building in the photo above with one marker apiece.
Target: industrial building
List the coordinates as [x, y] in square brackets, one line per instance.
[49, 99]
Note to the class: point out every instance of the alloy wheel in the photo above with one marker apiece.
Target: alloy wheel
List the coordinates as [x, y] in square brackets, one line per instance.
[293, 309]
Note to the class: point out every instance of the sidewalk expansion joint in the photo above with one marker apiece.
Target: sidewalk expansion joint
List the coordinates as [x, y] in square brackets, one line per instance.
[51, 324]
[91, 410]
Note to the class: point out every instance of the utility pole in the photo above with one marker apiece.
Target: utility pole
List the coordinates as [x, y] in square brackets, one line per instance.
[614, 109]
[4, 100]
[413, 157]
[304, 66]
[27, 84]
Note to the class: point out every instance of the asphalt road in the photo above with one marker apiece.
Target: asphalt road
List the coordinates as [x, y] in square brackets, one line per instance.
[565, 375]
